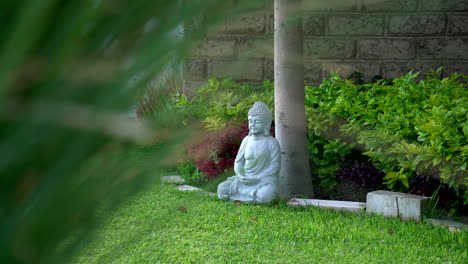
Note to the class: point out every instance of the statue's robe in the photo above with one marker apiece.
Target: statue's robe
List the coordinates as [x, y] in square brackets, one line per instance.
[262, 162]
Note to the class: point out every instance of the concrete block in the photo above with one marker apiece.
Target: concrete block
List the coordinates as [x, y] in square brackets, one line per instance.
[458, 25]
[189, 88]
[172, 179]
[240, 70]
[329, 48]
[329, 5]
[398, 69]
[313, 25]
[452, 225]
[312, 71]
[389, 5]
[269, 70]
[355, 24]
[412, 207]
[382, 202]
[444, 5]
[404, 25]
[371, 69]
[256, 47]
[444, 48]
[330, 204]
[223, 46]
[258, 4]
[392, 204]
[195, 70]
[252, 23]
[344, 69]
[377, 48]
[455, 67]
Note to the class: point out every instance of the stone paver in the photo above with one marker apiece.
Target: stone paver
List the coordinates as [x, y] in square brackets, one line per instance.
[185, 187]
[337, 205]
[172, 179]
[452, 225]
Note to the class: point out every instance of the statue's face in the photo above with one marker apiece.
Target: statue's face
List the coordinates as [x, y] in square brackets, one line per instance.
[256, 124]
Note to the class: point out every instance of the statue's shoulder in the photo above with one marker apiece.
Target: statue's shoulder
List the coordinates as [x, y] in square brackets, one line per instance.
[273, 141]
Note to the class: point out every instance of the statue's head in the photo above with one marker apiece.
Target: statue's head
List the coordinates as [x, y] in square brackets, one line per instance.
[260, 119]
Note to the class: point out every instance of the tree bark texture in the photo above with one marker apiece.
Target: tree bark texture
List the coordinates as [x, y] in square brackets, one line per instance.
[290, 118]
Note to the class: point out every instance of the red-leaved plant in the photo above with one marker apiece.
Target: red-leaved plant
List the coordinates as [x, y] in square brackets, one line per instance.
[218, 150]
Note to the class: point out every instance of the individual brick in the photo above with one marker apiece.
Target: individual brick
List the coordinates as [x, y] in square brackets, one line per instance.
[257, 4]
[444, 5]
[455, 67]
[189, 88]
[329, 48]
[444, 48]
[398, 69]
[344, 69]
[358, 24]
[330, 5]
[256, 47]
[313, 25]
[458, 24]
[217, 47]
[371, 69]
[195, 70]
[387, 48]
[389, 5]
[417, 24]
[269, 70]
[312, 71]
[240, 70]
[252, 23]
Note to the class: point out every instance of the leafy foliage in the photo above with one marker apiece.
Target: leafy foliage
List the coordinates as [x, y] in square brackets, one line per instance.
[223, 101]
[363, 174]
[403, 128]
[218, 150]
[70, 71]
[325, 155]
[191, 174]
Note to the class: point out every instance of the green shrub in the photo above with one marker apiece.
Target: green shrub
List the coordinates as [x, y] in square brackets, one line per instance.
[223, 101]
[403, 128]
[191, 174]
[325, 155]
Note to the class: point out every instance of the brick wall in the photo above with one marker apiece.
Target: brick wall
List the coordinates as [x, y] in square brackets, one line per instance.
[388, 39]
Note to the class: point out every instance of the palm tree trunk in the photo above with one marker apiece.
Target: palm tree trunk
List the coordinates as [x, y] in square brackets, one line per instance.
[290, 118]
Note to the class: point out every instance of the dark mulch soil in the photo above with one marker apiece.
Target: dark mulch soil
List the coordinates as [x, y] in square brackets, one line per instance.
[344, 191]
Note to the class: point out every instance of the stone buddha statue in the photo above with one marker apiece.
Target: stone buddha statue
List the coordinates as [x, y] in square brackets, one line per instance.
[257, 164]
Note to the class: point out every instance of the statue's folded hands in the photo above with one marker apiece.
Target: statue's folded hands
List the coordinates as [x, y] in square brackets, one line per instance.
[248, 180]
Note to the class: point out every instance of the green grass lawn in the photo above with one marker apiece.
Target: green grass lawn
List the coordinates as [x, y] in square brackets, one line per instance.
[163, 225]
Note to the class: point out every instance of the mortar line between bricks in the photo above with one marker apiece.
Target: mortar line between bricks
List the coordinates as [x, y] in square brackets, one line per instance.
[447, 25]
